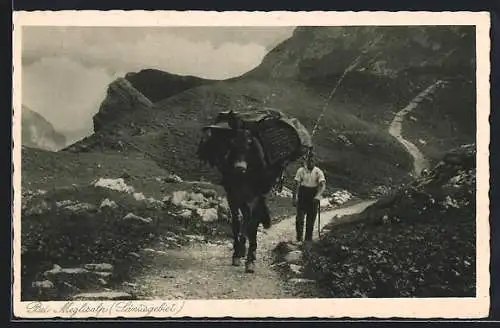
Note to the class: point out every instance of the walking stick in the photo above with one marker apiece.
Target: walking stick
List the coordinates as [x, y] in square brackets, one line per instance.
[319, 220]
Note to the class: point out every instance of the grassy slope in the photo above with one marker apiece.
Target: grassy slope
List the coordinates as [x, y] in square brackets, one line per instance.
[56, 235]
[172, 132]
[445, 122]
[53, 171]
[421, 249]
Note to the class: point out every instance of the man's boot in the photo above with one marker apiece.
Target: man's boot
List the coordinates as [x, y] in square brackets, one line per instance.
[299, 231]
[250, 267]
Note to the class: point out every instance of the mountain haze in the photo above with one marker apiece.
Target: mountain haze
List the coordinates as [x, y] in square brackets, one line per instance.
[37, 132]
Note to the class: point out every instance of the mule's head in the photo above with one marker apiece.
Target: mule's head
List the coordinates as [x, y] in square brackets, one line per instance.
[239, 153]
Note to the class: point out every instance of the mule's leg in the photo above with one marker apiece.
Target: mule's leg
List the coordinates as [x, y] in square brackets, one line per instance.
[236, 227]
[251, 229]
[245, 215]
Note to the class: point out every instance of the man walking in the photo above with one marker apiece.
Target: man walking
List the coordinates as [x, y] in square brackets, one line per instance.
[311, 184]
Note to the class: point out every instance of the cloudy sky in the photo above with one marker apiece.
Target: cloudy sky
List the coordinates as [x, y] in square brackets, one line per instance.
[65, 70]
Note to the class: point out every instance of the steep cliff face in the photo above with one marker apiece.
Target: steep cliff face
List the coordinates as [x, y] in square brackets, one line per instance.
[139, 90]
[37, 132]
[121, 98]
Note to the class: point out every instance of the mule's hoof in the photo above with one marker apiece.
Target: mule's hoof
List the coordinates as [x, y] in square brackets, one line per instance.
[236, 261]
[250, 267]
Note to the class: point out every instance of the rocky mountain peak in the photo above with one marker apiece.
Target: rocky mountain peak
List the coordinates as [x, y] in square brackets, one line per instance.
[121, 97]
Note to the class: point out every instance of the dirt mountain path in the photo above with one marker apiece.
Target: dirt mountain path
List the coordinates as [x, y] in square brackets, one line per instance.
[419, 160]
[204, 271]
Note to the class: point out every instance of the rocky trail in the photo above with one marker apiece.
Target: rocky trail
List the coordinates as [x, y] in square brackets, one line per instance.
[203, 270]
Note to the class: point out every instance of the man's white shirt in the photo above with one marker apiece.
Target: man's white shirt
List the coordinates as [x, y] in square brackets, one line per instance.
[310, 178]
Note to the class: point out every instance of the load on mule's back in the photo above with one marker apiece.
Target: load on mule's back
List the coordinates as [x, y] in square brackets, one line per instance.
[274, 138]
[251, 149]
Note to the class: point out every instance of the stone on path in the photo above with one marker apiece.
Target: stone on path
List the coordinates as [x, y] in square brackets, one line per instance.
[294, 257]
[99, 267]
[296, 269]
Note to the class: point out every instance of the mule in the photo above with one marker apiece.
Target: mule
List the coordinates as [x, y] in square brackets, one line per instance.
[246, 180]
[248, 175]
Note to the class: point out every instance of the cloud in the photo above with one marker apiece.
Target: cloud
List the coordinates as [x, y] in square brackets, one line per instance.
[66, 70]
[128, 49]
[65, 92]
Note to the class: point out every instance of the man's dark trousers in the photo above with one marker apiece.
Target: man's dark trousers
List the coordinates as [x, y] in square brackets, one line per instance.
[306, 206]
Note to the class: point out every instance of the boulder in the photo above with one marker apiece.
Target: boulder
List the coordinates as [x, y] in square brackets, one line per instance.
[207, 193]
[114, 184]
[173, 178]
[208, 215]
[106, 203]
[43, 284]
[341, 197]
[285, 247]
[178, 197]
[102, 296]
[344, 140]
[296, 269]
[197, 198]
[294, 257]
[189, 205]
[222, 201]
[103, 267]
[139, 196]
[136, 218]
[81, 207]
[195, 238]
[74, 206]
[134, 255]
[185, 214]
[153, 203]
[77, 277]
